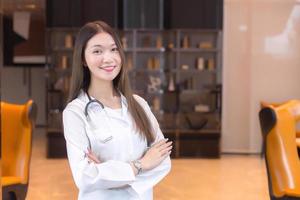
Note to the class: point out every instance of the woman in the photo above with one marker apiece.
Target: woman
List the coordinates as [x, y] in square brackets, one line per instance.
[115, 147]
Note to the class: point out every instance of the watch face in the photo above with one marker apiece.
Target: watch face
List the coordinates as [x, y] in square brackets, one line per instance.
[138, 164]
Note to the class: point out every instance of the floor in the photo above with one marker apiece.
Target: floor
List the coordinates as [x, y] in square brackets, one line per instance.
[233, 177]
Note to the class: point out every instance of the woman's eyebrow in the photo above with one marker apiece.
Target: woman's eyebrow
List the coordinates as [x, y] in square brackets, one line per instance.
[99, 45]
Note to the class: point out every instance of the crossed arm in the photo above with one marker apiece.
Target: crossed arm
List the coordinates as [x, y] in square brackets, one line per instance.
[151, 159]
[90, 173]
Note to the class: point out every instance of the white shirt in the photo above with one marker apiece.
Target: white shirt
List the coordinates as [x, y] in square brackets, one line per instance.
[112, 137]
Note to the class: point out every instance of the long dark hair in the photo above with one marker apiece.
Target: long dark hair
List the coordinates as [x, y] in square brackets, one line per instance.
[80, 79]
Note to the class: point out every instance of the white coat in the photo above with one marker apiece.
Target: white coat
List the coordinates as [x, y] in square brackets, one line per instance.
[113, 139]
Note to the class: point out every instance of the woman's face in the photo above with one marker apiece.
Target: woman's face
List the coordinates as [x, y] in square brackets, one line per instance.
[102, 57]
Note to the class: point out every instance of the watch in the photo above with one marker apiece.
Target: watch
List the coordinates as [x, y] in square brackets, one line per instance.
[138, 165]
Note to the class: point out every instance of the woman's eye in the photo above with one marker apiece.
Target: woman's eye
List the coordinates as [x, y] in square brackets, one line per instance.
[115, 49]
[97, 51]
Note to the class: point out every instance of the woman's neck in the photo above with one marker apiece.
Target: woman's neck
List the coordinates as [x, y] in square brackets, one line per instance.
[101, 90]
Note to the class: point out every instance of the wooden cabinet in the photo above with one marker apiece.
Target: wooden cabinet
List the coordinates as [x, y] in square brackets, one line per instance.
[59, 52]
[177, 71]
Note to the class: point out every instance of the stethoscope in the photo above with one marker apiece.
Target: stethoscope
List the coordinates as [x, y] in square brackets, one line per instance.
[107, 118]
[89, 103]
[89, 120]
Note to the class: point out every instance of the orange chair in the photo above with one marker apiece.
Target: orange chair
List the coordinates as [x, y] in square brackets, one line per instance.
[264, 104]
[17, 123]
[278, 125]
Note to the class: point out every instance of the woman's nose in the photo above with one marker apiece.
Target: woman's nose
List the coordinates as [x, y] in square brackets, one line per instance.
[108, 57]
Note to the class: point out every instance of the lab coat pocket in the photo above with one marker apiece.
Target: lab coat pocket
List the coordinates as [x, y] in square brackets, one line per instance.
[103, 137]
[103, 144]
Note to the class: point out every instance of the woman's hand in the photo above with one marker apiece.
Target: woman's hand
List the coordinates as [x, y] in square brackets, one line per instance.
[92, 157]
[156, 154]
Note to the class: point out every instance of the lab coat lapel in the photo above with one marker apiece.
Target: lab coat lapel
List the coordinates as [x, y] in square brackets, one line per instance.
[124, 105]
[124, 116]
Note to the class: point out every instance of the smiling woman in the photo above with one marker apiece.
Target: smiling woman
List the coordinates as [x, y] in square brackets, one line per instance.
[115, 147]
[102, 57]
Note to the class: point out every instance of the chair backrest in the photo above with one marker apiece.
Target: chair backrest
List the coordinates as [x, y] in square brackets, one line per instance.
[264, 104]
[279, 127]
[17, 123]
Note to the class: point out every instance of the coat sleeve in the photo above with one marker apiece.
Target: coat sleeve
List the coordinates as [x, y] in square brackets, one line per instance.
[148, 179]
[91, 176]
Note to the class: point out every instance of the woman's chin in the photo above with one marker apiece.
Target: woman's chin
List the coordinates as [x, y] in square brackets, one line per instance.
[108, 77]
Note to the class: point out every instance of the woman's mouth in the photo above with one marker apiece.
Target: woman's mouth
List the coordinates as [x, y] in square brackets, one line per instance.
[108, 68]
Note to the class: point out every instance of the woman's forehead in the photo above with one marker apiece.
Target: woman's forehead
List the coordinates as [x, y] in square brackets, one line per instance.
[101, 39]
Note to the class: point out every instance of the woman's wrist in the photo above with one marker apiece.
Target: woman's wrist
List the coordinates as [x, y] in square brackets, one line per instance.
[138, 165]
[134, 169]
[143, 164]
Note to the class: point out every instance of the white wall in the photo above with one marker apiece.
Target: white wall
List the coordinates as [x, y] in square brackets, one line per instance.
[254, 71]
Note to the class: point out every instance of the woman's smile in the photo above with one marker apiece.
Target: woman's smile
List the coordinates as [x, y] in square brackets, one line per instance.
[102, 57]
[108, 68]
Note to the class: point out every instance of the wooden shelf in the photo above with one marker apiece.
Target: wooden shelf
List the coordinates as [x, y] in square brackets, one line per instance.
[198, 30]
[211, 132]
[150, 50]
[142, 51]
[195, 50]
[196, 71]
[54, 130]
[191, 131]
[194, 143]
[148, 70]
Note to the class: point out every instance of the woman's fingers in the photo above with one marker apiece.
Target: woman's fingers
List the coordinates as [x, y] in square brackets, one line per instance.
[156, 154]
[161, 142]
[92, 157]
[162, 147]
[165, 146]
[166, 150]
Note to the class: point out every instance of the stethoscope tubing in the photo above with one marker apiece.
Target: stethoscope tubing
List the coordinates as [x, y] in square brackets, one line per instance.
[90, 102]
[88, 117]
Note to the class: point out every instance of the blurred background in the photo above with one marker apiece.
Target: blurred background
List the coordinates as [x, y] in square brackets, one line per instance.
[204, 67]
